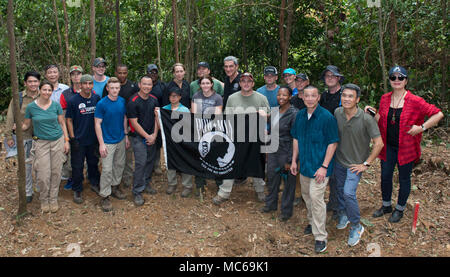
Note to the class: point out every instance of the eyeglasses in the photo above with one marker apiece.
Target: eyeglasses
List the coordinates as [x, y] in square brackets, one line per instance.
[400, 78]
[101, 66]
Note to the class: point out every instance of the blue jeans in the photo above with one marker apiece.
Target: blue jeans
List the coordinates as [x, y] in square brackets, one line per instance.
[347, 184]
[387, 173]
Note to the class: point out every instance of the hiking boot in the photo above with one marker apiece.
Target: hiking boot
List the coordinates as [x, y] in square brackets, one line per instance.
[261, 196]
[68, 185]
[355, 235]
[186, 192]
[320, 246]
[106, 205]
[77, 197]
[139, 200]
[171, 189]
[54, 207]
[116, 192]
[29, 198]
[148, 189]
[284, 217]
[267, 209]
[396, 216]
[95, 188]
[308, 230]
[383, 210]
[342, 222]
[45, 207]
[219, 200]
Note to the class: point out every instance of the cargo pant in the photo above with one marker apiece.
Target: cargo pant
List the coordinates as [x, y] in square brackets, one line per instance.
[112, 167]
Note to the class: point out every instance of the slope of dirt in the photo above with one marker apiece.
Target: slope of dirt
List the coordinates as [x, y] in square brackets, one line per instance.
[168, 225]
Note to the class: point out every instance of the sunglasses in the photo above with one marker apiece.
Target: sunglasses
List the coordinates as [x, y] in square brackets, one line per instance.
[400, 78]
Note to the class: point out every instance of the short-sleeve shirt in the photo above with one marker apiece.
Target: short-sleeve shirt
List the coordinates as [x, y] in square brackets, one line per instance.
[144, 111]
[271, 95]
[313, 136]
[195, 87]
[126, 91]
[45, 122]
[231, 87]
[81, 110]
[237, 103]
[185, 93]
[112, 114]
[56, 94]
[355, 135]
[207, 105]
[181, 108]
[331, 101]
[99, 86]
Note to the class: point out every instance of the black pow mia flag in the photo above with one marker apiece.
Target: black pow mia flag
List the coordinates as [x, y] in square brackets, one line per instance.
[221, 146]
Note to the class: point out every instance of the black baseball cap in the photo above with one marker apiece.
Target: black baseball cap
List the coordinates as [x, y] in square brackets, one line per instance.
[98, 61]
[302, 76]
[151, 67]
[270, 70]
[203, 64]
[398, 69]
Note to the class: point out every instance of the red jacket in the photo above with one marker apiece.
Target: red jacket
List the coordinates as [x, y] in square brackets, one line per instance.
[414, 111]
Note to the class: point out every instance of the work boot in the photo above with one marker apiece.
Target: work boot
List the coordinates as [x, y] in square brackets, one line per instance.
[171, 189]
[54, 207]
[186, 192]
[45, 207]
[139, 200]
[77, 197]
[106, 204]
[267, 209]
[116, 192]
[219, 200]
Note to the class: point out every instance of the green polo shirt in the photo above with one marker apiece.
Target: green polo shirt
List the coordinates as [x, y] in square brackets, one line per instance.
[355, 136]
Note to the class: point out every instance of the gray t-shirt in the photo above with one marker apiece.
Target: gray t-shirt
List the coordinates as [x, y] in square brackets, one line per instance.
[355, 135]
[207, 104]
[237, 103]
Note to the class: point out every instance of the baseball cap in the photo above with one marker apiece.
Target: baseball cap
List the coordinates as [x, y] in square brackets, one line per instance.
[203, 64]
[76, 68]
[302, 76]
[333, 69]
[98, 61]
[398, 69]
[151, 67]
[270, 70]
[289, 71]
[86, 78]
[246, 74]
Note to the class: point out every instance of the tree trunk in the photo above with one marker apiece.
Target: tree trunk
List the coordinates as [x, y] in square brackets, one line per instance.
[287, 38]
[118, 46]
[382, 59]
[158, 44]
[175, 33]
[58, 32]
[66, 39]
[394, 41]
[92, 29]
[18, 117]
[282, 37]
[444, 91]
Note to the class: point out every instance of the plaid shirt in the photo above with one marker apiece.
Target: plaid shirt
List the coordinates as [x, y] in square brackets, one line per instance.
[414, 111]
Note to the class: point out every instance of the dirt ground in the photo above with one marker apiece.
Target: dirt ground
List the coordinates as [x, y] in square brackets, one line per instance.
[168, 225]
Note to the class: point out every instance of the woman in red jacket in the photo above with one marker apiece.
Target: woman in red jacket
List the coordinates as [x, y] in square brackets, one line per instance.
[401, 120]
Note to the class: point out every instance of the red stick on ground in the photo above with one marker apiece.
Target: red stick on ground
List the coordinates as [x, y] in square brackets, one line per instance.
[416, 213]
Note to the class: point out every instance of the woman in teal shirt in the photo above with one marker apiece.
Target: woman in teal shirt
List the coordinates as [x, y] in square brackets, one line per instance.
[49, 145]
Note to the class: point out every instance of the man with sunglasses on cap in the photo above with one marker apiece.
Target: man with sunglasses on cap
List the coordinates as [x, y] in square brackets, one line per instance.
[203, 69]
[100, 79]
[270, 89]
[301, 81]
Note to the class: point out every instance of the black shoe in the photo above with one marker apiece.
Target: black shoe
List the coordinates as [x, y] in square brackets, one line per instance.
[139, 200]
[106, 205]
[383, 210]
[148, 189]
[284, 217]
[29, 198]
[320, 246]
[77, 197]
[95, 188]
[267, 209]
[308, 230]
[396, 216]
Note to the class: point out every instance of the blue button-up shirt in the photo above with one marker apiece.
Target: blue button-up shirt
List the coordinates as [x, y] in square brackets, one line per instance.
[314, 136]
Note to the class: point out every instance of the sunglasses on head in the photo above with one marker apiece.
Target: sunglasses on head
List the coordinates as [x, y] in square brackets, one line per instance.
[400, 78]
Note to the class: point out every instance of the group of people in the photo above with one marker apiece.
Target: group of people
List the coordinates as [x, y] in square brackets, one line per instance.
[325, 139]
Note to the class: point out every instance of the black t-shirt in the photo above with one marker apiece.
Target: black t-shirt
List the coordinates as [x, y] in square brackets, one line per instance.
[185, 93]
[331, 101]
[158, 90]
[393, 130]
[144, 111]
[126, 91]
[297, 102]
[230, 87]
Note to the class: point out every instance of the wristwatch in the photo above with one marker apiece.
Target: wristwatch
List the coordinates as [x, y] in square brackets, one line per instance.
[423, 127]
[366, 164]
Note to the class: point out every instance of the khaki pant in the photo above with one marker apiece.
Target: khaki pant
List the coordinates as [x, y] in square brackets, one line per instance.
[186, 179]
[48, 161]
[313, 193]
[227, 187]
[112, 167]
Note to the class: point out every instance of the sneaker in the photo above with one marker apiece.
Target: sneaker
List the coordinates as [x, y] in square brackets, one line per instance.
[68, 185]
[45, 207]
[106, 204]
[355, 235]
[186, 192]
[219, 200]
[267, 209]
[171, 189]
[148, 189]
[77, 197]
[308, 230]
[396, 216]
[383, 210]
[54, 207]
[320, 246]
[29, 198]
[261, 196]
[284, 217]
[342, 222]
[139, 200]
[116, 192]
[95, 188]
